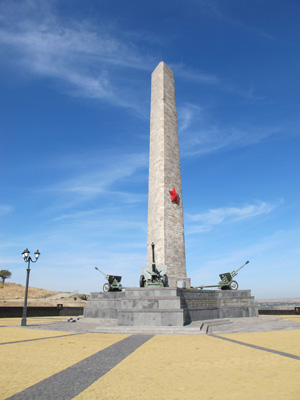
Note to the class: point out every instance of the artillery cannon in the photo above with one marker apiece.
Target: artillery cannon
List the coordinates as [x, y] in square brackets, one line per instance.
[113, 283]
[155, 277]
[226, 282]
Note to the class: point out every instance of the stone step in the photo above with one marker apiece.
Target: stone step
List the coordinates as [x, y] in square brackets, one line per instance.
[150, 330]
[207, 326]
[102, 322]
[107, 295]
[96, 312]
[151, 317]
[104, 303]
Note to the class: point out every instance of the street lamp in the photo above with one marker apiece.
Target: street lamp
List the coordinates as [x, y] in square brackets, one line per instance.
[27, 259]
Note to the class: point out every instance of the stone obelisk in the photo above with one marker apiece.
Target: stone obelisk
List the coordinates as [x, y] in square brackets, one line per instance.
[165, 212]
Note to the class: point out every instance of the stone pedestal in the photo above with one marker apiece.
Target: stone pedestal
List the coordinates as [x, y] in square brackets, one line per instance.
[169, 306]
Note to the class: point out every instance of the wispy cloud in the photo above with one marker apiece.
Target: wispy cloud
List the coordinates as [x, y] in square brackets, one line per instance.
[100, 223]
[200, 136]
[214, 9]
[111, 177]
[214, 138]
[187, 114]
[5, 209]
[206, 221]
[98, 181]
[269, 256]
[77, 53]
[84, 59]
[198, 77]
[185, 72]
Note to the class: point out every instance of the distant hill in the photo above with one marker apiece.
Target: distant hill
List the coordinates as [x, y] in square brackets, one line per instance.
[278, 304]
[12, 294]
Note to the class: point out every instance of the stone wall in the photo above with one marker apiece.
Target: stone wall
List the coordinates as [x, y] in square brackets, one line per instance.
[16, 312]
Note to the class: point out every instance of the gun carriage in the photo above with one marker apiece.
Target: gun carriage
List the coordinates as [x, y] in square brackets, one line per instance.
[113, 283]
[156, 276]
[226, 282]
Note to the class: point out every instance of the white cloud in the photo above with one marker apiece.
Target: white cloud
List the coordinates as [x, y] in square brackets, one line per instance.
[187, 114]
[205, 222]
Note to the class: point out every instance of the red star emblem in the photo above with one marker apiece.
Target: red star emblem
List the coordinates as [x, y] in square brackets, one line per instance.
[174, 195]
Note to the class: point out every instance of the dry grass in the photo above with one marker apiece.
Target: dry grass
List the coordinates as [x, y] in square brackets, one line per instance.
[13, 291]
[12, 294]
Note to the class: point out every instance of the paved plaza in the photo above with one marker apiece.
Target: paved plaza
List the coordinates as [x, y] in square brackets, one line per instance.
[246, 358]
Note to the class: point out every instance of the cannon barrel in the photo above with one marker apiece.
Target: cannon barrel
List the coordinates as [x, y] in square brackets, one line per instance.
[235, 272]
[153, 258]
[247, 262]
[153, 255]
[103, 273]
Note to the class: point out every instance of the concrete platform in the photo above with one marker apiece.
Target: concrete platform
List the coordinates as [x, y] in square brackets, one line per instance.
[220, 326]
[169, 306]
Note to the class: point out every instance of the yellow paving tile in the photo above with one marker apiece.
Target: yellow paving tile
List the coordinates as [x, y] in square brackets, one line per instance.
[10, 321]
[12, 334]
[198, 367]
[285, 341]
[24, 364]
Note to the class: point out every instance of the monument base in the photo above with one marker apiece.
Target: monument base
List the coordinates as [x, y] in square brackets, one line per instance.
[181, 282]
[169, 306]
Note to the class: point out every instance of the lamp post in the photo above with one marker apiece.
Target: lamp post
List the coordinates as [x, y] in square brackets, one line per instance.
[27, 259]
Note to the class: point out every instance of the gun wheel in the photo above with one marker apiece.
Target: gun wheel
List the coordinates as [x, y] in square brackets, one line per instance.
[165, 280]
[106, 287]
[142, 281]
[233, 285]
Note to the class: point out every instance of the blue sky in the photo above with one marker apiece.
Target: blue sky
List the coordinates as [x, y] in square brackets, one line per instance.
[74, 119]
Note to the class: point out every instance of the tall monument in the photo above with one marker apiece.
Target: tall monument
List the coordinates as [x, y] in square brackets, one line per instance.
[165, 212]
[147, 307]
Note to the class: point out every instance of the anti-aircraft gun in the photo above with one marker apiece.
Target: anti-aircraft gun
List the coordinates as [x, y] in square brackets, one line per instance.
[156, 276]
[226, 282]
[113, 283]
